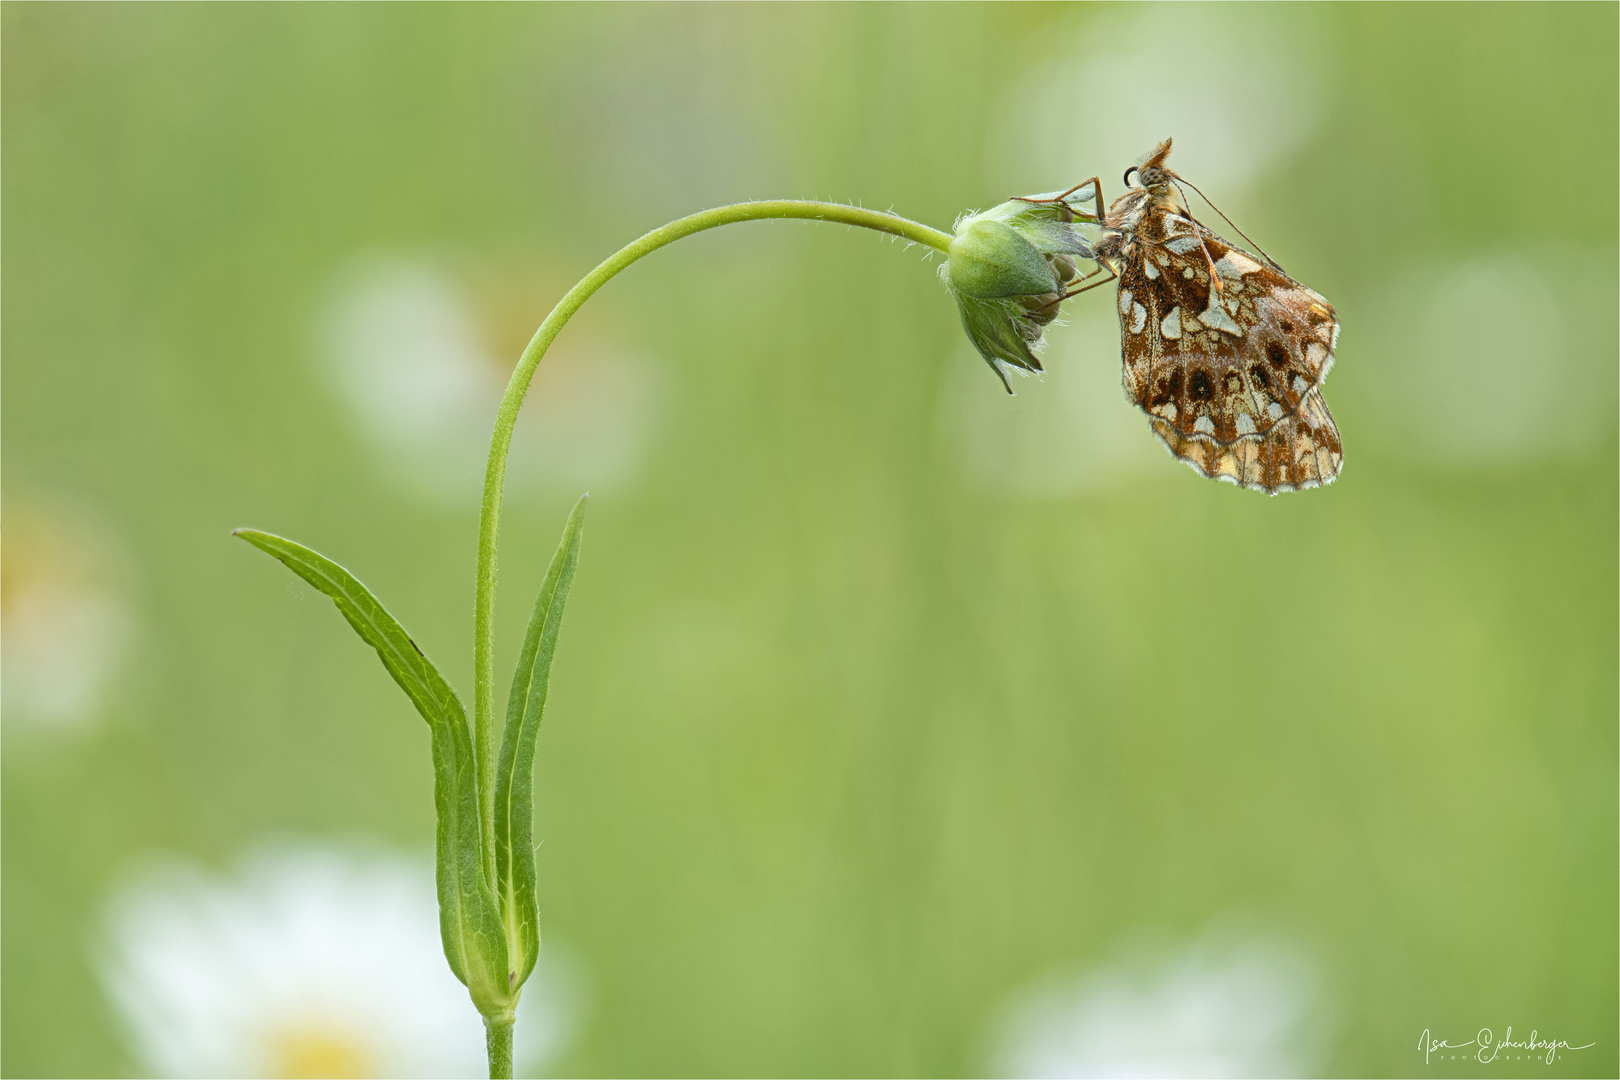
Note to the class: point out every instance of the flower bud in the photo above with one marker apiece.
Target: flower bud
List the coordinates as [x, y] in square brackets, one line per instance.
[1007, 270]
[991, 259]
[1042, 308]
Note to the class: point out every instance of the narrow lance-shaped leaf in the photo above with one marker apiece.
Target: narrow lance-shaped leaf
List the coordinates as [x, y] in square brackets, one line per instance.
[469, 922]
[514, 773]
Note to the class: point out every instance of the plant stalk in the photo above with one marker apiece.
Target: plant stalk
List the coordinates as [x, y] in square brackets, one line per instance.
[500, 444]
[498, 1040]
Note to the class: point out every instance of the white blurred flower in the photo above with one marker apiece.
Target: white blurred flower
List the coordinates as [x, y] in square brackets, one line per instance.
[1244, 89]
[64, 623]
[307, 961]
[1217, 1008]
[1496, 361]
[1069, 432]
[404, 352]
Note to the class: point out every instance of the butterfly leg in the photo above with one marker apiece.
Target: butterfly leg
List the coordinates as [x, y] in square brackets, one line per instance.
[1101, 268]
[1097, 180]
[1061, 199]
[1112, 274]
[1096, 187]
[1076, 292]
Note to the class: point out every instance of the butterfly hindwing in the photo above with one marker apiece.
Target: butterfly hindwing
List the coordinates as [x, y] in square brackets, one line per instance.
[1229, 376]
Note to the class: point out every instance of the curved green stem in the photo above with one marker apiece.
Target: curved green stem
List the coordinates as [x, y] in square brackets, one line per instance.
[484, 729]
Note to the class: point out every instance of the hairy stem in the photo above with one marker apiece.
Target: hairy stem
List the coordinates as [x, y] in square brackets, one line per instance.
[500, 443]
[498, 1041]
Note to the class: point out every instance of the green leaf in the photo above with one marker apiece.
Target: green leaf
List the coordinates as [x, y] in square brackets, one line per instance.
[514, 773]
[469, 922]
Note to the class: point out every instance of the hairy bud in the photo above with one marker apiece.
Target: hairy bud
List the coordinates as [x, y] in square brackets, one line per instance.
[1007, 270]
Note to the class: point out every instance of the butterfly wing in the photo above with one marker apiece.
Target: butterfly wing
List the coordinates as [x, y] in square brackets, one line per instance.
[1230, 377]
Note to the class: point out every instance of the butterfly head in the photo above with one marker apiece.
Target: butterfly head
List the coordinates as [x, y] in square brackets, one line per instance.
[1153, 175]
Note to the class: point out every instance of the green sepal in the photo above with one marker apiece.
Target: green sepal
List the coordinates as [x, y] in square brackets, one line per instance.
[469, 922]
[991, 259]
[997, 330]
[1044, 221]
[514, 773]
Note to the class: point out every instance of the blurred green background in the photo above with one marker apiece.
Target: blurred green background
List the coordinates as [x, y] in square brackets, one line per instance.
[882, 696]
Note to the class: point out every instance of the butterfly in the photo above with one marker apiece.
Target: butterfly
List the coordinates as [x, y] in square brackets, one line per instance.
[1224, 351]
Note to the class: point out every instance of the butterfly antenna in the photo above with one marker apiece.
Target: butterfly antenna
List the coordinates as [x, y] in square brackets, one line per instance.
[1229, 221]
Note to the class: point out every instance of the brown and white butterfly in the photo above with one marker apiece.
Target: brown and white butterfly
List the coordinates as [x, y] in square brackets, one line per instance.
[1224, 352]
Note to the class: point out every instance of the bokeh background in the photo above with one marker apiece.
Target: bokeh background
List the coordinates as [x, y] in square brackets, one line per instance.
[899, 727]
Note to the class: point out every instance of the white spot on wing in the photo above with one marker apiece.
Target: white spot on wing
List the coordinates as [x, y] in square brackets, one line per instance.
[1170, 326]
[1245, 424]
[1124, 301]
[1315, 354]
[1150, 270]
[1300, 385]
[1235, 263]
[1138, 318]
[1216, 317]
[1182, 244]
[1274, 411]
[1204, 424]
